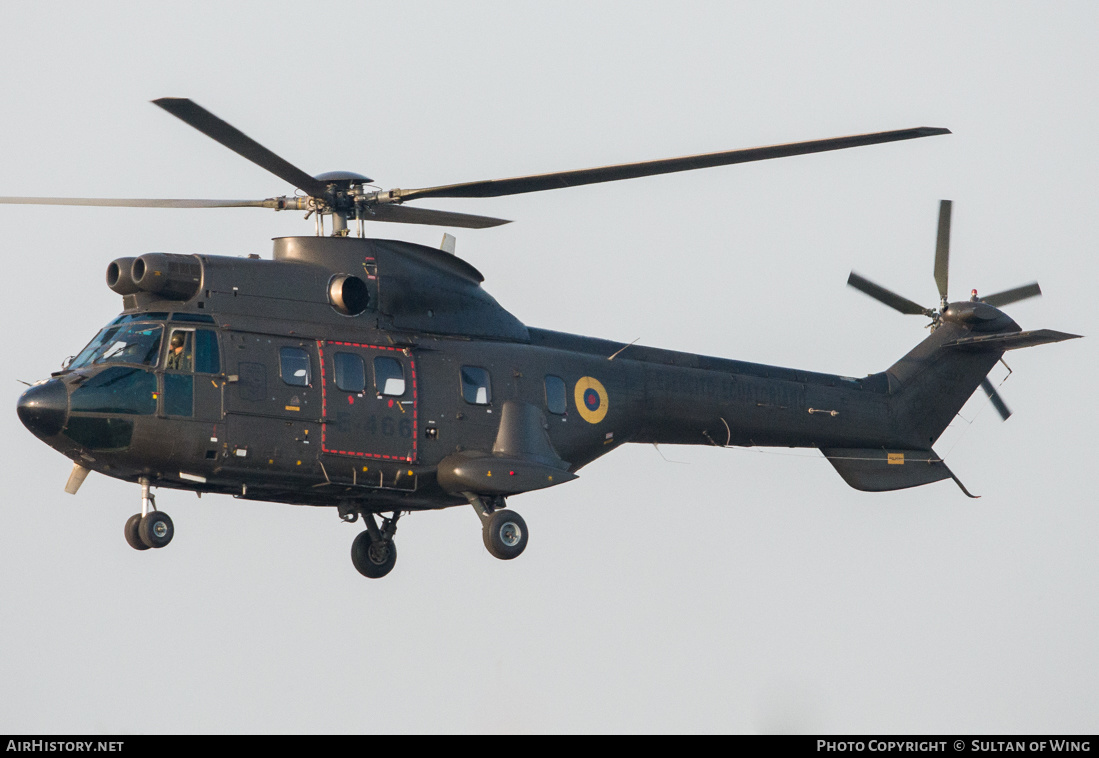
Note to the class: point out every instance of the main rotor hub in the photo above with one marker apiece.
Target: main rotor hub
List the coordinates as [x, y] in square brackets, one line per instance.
[340, 194]
[341, 200]
[347, 178]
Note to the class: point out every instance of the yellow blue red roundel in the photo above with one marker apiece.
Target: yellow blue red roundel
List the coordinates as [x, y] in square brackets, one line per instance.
[591, 399]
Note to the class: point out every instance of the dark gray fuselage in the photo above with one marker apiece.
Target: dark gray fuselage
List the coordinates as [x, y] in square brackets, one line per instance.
[262, 424]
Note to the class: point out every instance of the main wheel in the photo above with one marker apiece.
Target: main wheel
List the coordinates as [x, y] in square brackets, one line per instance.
[505, 534]
[156, 529]
[373, 559]
[133, 538]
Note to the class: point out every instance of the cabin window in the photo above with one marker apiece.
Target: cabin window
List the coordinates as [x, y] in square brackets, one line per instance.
[350, 372]
[388, 376]
[476, 386]
[117, 390]
[555, 394]
[207, 355]
[294, 366]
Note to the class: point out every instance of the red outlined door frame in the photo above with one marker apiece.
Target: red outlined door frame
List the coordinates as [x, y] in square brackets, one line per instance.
[330, 393]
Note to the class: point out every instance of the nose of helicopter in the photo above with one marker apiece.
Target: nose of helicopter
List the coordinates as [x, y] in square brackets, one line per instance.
[43, 408]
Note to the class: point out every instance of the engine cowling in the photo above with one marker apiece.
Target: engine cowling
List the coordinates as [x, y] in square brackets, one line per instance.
[171, 276]
[118, 276]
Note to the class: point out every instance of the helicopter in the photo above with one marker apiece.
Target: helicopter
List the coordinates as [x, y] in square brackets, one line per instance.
[379, 378]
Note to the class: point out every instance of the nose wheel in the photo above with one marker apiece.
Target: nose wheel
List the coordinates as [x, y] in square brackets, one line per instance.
[133, 537]
[154, 529]
[150, 528]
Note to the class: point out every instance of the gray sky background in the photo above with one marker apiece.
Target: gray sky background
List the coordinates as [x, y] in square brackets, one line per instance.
[727, 591]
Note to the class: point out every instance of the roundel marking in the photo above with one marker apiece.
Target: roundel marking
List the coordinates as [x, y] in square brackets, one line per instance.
[591, 399]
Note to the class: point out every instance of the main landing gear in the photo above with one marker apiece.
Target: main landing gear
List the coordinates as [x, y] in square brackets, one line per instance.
[150, 528]
[504, 532]
[374, 552]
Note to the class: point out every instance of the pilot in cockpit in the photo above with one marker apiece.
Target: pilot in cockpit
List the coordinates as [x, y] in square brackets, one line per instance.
[179, 354]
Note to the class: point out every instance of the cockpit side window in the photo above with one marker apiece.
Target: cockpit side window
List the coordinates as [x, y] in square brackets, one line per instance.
[125, 343]
[179, 351]
[207, 355]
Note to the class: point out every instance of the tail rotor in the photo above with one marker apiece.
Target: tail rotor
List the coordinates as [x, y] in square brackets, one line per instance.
[964, 312]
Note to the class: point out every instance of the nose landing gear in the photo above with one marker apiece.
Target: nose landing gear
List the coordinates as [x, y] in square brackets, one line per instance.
[150, 528]
[156, 529]
[133, 538]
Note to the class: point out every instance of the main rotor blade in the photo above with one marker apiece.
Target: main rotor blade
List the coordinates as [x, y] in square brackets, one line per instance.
[240, 143]
[137, 202]
[560, 179]
[890, 298]
[994, 396]
[942, 248]
[1001, 299]
[405, 215]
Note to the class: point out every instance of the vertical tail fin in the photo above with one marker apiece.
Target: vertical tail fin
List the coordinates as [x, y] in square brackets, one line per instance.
[933, 381]
[928, 386]
[938, 376]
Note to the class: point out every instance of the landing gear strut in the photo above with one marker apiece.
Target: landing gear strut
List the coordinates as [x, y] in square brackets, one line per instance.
[504, 532]
[374, 552]
[150, 528]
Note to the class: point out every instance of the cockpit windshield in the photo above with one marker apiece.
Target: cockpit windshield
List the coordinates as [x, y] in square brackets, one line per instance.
[122, 343]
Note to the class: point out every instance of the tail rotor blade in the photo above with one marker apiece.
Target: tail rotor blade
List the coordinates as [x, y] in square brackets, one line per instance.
[994, 396]
[942, 248]
[1006, 297]
[882, 295]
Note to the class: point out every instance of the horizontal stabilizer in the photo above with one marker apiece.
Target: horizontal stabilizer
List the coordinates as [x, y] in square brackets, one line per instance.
[881, 470]
[1000, 342]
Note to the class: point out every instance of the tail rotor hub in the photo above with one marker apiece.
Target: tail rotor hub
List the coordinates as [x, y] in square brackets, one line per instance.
[983, 314]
